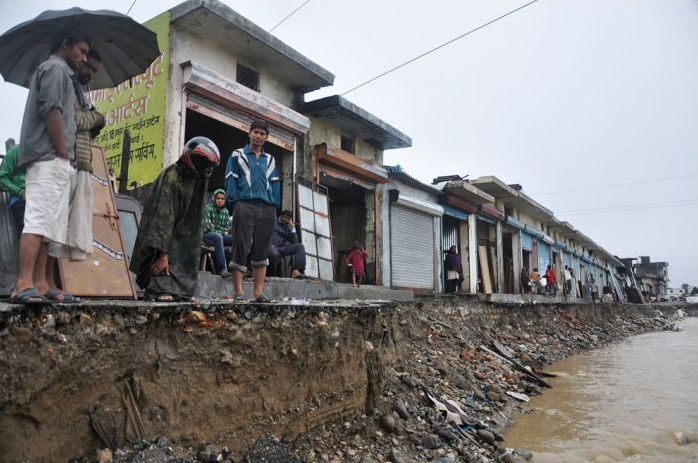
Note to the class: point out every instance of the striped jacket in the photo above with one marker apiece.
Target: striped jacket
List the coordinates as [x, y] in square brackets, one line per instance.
[248, 178]
[85, 121]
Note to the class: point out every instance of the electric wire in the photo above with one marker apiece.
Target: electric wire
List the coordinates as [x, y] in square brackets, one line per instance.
[289, 15]
[131, 7]
[412, 60]
[661, 203]
[628, 208]
[611, 185]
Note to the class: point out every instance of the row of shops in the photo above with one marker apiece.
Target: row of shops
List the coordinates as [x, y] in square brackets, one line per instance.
[218, 71]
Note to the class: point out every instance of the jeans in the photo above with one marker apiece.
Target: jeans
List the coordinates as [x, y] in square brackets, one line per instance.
[218, 241]
[297, 250]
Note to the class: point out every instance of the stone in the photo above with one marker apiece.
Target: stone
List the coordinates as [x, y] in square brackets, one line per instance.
[486, 436]
[431, 441]
[368, 459]
[369, 346]
[446, 434]
[387, 422]
[140, 319]
[494, 397]
[401, 409]
[104, 456]
[680, 438]
[63, 318]
[543, 341]
[525, 454]
[209, 454]
[395, 456]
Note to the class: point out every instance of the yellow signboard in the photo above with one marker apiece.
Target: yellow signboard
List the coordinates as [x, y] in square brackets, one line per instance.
[139, 106]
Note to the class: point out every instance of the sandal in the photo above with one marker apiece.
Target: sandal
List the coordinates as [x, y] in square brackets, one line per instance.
[61, 297]
[29, 296]
[262, 299]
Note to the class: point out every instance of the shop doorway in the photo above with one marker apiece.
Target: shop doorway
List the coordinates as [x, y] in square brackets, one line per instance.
[348, 217]
[228, 139]
[508, 260]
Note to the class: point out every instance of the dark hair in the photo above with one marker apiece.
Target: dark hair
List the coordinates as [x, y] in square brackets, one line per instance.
[259, 124]
[535, 269]
[94, 55]
[68, 34]
[287, 213]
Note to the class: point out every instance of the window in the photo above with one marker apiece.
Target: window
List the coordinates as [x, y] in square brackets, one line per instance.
[247, 77]
[347, 144]
[509, 211]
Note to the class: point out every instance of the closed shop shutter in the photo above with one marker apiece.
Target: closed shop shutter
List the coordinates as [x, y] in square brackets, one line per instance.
[412, 248]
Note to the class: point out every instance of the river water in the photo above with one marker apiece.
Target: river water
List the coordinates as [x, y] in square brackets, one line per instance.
[622, 403]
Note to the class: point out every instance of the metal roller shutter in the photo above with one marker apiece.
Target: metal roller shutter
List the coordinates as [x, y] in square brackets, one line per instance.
[412, 248]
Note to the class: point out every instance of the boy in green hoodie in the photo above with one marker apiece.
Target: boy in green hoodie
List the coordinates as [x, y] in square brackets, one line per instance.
[217, 230]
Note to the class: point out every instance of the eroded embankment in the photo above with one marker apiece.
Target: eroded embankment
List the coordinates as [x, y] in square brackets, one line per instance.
[338, 382]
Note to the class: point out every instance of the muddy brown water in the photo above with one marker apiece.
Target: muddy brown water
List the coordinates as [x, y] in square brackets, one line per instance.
[622, 403]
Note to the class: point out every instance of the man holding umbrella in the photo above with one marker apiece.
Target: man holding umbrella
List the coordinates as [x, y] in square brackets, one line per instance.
[47, 148]
[49, 128]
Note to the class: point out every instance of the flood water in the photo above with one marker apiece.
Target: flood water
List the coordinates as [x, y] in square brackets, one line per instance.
[622, 403]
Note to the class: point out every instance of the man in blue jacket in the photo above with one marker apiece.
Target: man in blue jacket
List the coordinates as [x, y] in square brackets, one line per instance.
[253, 189]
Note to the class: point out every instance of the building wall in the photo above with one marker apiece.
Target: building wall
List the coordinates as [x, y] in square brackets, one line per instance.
[184, 47]
[324, 132]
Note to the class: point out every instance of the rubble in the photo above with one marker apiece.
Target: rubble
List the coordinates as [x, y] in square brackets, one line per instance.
[440, 382]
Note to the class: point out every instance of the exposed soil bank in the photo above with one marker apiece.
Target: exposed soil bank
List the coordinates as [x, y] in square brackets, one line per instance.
[335, 382]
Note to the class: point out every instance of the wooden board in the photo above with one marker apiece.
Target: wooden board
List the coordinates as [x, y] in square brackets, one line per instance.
[105, 272]
[485, 276]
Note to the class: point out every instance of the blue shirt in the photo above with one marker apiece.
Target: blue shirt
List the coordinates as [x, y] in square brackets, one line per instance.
[250, 178]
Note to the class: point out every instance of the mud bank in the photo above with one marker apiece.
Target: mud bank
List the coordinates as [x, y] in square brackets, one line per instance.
[333, 381]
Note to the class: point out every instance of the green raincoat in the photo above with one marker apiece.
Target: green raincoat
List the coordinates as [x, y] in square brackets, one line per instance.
[172, 223]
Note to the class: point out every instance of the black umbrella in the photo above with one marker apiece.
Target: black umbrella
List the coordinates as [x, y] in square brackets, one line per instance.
[126, 47]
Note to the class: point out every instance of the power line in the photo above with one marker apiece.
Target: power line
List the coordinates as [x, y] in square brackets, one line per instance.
[628, 208]
[598, 187]
[438, 47]
[631, 205]
[289, 15]
[129, 8]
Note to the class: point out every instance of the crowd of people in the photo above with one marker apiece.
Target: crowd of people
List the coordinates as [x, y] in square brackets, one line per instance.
[48, 180]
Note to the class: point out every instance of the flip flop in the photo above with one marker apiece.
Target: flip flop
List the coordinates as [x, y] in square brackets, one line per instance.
[262, 299]
[61, 297]
[29, 296]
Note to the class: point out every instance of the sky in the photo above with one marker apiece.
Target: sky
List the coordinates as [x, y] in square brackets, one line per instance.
[590, 105]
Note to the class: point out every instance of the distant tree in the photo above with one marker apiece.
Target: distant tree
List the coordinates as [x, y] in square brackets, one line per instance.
[685, 287]
[694, 291]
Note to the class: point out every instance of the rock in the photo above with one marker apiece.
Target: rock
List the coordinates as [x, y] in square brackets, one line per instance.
[387, 422]
[395, 456]
[21, 334]
[85, 319]
[680, 438]
[63, 318]
[486, 436]
[369, 346]
[368, 459]
[209, 454]
[445, 460]
[446, 434]
[525, 454]
[543, 341]
[431, 441]
[104, 456]
[401, 409]
[494, 397]
[140, 319]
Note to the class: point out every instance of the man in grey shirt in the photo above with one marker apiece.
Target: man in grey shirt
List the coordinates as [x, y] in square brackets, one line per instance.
[47, 147]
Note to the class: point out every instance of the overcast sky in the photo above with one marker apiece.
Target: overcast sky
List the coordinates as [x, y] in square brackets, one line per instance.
[567, 98]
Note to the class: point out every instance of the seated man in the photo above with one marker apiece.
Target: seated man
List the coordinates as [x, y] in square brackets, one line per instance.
[216, 231]
[168, 246]
[285, 243]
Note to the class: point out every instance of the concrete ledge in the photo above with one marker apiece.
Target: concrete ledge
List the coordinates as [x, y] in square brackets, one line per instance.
[212, 286]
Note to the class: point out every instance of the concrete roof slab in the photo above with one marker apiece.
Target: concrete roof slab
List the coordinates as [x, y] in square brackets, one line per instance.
[357, 122]
[465, 190]
[216, 22]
